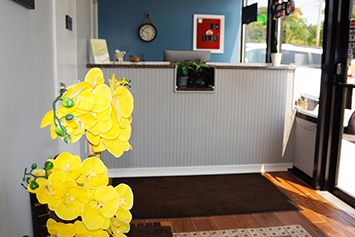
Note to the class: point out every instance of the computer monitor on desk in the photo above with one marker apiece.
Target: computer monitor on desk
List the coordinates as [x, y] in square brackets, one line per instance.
[182, 55]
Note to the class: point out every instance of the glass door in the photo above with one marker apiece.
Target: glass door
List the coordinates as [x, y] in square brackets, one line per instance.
[346, 168]
[344, 186]
[335, 157]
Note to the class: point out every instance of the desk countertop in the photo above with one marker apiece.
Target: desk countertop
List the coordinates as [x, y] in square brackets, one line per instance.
[217, 65]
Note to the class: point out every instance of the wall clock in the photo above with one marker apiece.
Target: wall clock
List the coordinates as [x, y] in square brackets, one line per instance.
[147, 32]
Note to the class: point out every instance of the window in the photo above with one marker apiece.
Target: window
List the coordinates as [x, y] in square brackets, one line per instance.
[295, 58]
[255, 35]
[302, 47]
[316, 60]
[255, 56]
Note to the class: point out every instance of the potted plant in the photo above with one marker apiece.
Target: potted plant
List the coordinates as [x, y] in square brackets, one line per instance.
[275, 55]
[192, 74]
[76, 193]
[183, 69]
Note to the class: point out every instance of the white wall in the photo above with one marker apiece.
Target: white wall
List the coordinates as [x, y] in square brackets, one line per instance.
[71, 50]
[37, 53]
[27, 88]
[83, 34]
[66, 54]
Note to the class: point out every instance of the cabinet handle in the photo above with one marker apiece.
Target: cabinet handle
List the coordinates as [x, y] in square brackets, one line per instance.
[346, 85]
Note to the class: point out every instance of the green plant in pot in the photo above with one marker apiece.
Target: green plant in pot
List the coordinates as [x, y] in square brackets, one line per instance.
[192, 74]
[183, 69]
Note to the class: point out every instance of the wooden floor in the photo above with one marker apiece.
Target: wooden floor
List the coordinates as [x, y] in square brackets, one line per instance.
[317, 215]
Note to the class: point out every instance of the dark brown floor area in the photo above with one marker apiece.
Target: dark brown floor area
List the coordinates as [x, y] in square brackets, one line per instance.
[204, 195]
[318, 216]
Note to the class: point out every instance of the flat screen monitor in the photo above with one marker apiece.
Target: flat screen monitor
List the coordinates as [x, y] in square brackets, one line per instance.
[182, 55]
[249, 13]
[30, 4]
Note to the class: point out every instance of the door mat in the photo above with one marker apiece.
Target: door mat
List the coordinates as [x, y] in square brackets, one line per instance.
[287, 231]
[208, 195]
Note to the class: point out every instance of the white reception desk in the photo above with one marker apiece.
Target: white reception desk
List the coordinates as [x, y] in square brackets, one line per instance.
[242, 126]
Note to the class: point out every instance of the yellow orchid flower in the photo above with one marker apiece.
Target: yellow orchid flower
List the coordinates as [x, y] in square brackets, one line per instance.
[51, 190]
[116, 147]
[101, 93]
[74, 189]
[48, 120]
[124, 215]
[70, 182]
[125, 99]
[115, 140]
[102, 98]
[125, 195]
[36, 172]
[75, 90]
[102, 206]
[114, 83]
[82, 231]
[76, 127]
[104, 122]
[102, 112]
[84, 97]
[57, 229]
[85, 101]
[69, 120]
[93, 173]
[68, 164]
[118, 227]
[71, 205]
[95, 77]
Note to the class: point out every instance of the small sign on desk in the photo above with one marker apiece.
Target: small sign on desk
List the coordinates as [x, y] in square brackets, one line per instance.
[98, 51]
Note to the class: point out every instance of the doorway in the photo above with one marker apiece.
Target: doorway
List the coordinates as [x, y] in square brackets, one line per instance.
[344, 174]
[335, 149]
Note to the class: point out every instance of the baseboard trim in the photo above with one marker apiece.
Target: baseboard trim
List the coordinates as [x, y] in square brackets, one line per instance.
[301, 175]
[197, 170]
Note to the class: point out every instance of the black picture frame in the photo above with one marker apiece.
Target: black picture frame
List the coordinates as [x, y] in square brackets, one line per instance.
[30, 4]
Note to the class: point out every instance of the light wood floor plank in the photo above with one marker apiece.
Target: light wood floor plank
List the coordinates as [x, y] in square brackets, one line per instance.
[325, 230]
[204, 224]
[340, 224]
[268, 219]
[248, 221]
[292, 217]
[226, 222]
[182, 225]
[308, 213]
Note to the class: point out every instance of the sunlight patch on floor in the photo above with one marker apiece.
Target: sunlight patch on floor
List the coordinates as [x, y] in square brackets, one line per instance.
[338, 203]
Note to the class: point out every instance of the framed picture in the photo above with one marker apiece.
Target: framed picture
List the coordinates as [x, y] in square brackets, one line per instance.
[30, 4]
[98, 51]
[208, 33]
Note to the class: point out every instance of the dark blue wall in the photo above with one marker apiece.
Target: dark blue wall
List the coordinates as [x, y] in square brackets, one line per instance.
[119, 21]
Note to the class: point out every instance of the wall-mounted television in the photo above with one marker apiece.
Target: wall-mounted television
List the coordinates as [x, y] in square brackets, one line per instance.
[30, 4]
